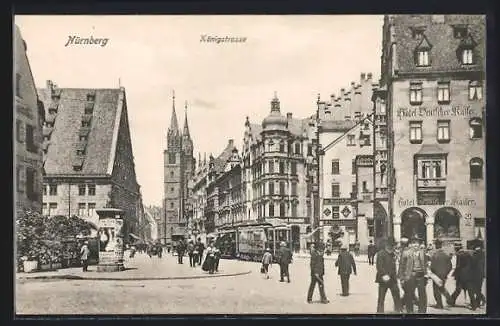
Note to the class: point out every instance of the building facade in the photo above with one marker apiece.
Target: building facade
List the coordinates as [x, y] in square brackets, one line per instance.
[88, 158]
[277, 157]
[155, 216]
[179, 165]
[29, 116]
[433, 70]
[199, 199]
[346, 176]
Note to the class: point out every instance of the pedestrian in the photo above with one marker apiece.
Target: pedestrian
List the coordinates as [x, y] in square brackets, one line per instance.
[85, 252]
[200, 248]
[267, 260]
[284, 259]
[217, 256]
[386, 276]
[412, 273]
[190, 250]
[132, 252]
[478, 276]
[317, 265]
[180, 251]
[209, 264]
[371, 252]
[159, 250]
[441, 267]
[462, 273]
[346, 266]
[357, 246]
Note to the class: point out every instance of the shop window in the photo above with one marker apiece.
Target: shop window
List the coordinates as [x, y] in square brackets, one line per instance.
[447, 223]
[476, 168]
[476, 128]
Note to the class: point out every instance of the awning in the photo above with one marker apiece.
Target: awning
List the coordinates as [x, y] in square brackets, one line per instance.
[134, 236]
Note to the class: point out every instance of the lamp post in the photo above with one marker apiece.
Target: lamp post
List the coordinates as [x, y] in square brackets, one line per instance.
[316, 178]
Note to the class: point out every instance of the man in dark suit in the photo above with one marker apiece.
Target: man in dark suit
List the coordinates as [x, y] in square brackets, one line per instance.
[462, 273]
[181, 248]
[412, 272]
[372, 250]
[441, 266]
[478, 274]
[346, 266]
[284, 259]
[386, 276]
[317, 272]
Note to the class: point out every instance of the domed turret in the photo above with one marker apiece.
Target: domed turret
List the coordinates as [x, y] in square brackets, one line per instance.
[275, 121]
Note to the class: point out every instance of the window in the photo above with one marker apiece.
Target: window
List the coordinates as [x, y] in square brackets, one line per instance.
[171, 205]
[20, 133]
[91, 190]
[416, 93]
[443, 131]
[415, 132]
[417, 33]
[365, 187]
[80, 152]
[90, 97]
[282, 210]
[297, 148]
[382, 108]
[271, 166]
[85, 123]
[83, 138]
[270, 146]
[282, 167]
[432, 169]
[354, 190]
[282, 188]
[422, 58]
[271, 188]
[476, 168]
[309, 149]
[335, 167]
[294, 189]
[460, 32]
[171, 174]
[53, 190]
[30, 139]
[335, 190]
[294, 168]
[91, 211]
[282, 147]
[81, 209]
[476, 128]
[353, 166]
[294, 210]
[365, 140]
[475, 91]
[271, 210]
[44, 190]
[171, 158]
[45, 209]
[31, 190]
[335, 212]
[351, 140]
[443, 92]
[172, 189]
[467, 56]
[371, 227]
[81, 190]
[52, 209]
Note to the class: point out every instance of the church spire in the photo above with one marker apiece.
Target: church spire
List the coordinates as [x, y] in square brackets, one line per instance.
[174, 127]
[186, 127]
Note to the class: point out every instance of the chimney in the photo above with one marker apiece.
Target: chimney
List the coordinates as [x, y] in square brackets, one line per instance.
[289, 116]
[369, 76]
[230, 143]
[362, 77]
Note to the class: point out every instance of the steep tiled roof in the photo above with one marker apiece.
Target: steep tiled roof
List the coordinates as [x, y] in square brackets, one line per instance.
[221, 160]
[443, 56]
[64, 138]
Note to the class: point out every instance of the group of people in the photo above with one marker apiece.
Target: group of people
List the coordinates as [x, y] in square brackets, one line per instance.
[196, 251]
[284, 259]
[413, 266]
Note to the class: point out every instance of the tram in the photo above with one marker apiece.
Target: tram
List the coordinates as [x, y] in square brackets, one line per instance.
[249, 242]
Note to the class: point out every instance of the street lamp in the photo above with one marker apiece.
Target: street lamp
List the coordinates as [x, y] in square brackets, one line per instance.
[316, 178]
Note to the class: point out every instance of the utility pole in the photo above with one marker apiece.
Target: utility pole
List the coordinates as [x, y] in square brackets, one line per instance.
[316, 181]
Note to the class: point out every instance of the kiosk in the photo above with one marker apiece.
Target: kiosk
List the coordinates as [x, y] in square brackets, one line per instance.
[110, 237]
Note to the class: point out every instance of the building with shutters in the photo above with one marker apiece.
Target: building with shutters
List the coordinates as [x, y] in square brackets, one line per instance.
[88, 158]
[433, 86]
[29, 116]
[179, 165]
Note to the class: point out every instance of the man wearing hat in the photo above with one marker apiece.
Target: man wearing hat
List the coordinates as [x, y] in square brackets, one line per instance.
[85, 252]
[462, 273]
[346, 266]
[441, 266]
[284, 259]
[317, 272]
[372, 250]
[412, 272]
[386, 276]
[478, 276]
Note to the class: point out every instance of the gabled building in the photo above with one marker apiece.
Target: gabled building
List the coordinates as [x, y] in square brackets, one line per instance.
[433, 72]
[29, 116]
[88, 158]
[199, 184]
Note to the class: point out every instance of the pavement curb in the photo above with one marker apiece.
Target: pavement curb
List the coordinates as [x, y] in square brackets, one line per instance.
[77, 277]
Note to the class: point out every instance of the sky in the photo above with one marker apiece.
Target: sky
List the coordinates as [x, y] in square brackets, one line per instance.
[298, 57]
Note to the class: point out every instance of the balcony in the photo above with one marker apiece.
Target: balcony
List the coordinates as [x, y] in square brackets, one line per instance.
[431, 183]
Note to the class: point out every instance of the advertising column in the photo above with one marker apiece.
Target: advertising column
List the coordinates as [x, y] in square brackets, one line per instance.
[110, 241]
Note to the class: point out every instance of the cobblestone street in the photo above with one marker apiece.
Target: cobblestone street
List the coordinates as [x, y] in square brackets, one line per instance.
[249, 293]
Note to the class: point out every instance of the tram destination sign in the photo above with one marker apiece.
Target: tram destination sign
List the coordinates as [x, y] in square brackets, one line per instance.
[436, 112]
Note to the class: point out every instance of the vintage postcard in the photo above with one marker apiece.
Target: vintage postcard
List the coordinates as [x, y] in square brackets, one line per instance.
[266, 164]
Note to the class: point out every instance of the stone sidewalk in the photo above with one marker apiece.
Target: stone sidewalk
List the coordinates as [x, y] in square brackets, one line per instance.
[141, 267]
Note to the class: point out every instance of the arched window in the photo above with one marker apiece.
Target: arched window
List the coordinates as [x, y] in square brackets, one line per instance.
[476, 168]
[271, 210]
[476, 128]
[447, 223]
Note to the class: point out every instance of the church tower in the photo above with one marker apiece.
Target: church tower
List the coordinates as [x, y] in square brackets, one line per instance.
[178, 165]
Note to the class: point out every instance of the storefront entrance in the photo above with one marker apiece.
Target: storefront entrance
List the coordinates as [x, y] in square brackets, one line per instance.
[447, 224]
[413, 223]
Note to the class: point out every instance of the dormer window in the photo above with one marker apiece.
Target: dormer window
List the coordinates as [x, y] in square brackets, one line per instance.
[467, 57]
[422, 52]
[465, 51]
[460, 31]
[89, 107]
[90, 97]
[80, 152]
[417, 32]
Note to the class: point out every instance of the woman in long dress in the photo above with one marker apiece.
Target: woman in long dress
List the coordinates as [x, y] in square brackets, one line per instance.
[209, 263]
